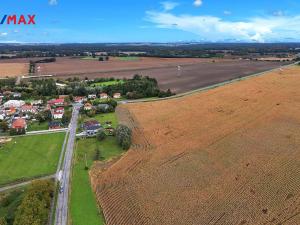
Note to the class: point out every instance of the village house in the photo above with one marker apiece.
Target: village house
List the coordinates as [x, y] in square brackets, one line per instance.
[79, 99]
[56, 102]
[9, 111]
[17, 95]
[58, 113]
[19, 124]
[54, 125]
[28, 109]
[91, 127]
[13, 103]
[103, 96]
[117, 95]
[88, 106]
[2, 115]
[92, 96]
[37, 102]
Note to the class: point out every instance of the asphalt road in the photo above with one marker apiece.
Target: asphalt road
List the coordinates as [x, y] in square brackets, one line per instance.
[61, 214]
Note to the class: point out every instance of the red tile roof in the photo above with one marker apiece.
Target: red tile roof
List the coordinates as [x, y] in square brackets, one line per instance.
[56, 101]
[18, 124]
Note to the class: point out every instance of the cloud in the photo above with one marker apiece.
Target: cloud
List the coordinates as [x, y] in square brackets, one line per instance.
[198, 3]
[3, 34]
[278, 13]
[53, 2]
[211, 28]
[226, 12]
[169, 5]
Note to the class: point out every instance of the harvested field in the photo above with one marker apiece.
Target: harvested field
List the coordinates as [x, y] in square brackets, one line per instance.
[229, 155]
[13, 69]
[195, 73]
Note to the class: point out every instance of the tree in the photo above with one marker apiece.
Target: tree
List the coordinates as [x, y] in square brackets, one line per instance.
[91, 113]
[101, 135]
[66, 117]
[4, 126]
[35, 205]
[124, 136]
[3, 221]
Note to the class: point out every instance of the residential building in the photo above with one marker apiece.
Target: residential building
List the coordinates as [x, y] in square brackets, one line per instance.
[17, 95]
[117, 95]
[79, 99]
[37, 102]
[56, 102]
[10, 111]
[92, 96]
[28, 109]
[19, 124]
[88, 106]
[58, 113]
[103, 96]
[91, 127]
[14, 103]
[54, 125]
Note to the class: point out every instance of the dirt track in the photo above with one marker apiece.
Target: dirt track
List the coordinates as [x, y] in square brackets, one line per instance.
[226, 156]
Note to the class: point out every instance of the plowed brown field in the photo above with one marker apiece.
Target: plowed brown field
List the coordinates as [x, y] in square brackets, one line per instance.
[13, 69]
[230, 155]
[195, 73]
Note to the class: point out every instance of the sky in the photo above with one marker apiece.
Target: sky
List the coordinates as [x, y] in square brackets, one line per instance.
[98, 21]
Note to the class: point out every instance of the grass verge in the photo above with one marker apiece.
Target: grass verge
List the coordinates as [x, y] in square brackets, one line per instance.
[83, 207]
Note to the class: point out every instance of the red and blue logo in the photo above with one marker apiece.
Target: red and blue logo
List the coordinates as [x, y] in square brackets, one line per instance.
[18, 20]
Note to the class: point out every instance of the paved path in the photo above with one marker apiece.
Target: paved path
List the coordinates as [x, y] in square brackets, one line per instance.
[46, 131]
[61, 214]
[13, 186]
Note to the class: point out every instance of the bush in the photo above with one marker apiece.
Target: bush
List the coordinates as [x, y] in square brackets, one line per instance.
[101, 135]
[13, 132]
[124, 135]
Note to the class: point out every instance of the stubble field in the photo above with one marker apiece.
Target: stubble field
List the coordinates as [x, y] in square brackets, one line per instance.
[229, 155]
[13, 69]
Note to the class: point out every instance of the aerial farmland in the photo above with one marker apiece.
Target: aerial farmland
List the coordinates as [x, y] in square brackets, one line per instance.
[178, 74]
[224, 156]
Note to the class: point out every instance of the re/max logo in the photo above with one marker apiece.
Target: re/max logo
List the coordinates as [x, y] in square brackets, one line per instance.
[18, 20]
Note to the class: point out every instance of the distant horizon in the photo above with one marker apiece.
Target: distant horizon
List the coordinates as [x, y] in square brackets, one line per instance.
[138, 43]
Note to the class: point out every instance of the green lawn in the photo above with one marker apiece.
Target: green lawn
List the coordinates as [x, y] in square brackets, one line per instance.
[83, 203]
[107, 83]
[90, 58]
[129, 58]
[29, 156]
[36, 126]
[102, 118]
